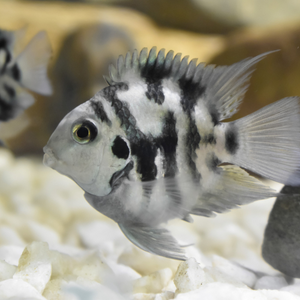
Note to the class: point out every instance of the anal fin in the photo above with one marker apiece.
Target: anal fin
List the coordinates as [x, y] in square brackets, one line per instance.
[232, 187]
[156, 240]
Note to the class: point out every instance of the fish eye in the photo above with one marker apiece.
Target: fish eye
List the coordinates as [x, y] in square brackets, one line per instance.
[84, 132]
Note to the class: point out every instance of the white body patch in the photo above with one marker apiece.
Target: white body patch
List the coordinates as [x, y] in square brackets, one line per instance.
[148, 114]
[203, 118]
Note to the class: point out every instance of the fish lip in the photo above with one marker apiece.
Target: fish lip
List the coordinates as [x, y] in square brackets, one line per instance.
[49, 158]
[118, 177]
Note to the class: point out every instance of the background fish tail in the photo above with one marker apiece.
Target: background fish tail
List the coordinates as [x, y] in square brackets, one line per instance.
[267, 142]
[30, 68]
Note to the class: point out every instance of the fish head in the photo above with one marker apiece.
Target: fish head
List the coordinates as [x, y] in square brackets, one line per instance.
[89, 151]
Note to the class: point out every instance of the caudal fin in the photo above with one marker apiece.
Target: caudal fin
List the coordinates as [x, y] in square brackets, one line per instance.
[30, 68]
[267, 142]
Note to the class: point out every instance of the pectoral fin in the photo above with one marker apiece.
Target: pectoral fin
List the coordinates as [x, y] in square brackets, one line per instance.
[156, 240]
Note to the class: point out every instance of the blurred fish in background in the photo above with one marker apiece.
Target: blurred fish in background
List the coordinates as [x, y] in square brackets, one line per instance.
[23, 71]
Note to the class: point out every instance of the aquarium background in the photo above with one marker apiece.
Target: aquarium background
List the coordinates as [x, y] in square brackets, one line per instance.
[53, 245]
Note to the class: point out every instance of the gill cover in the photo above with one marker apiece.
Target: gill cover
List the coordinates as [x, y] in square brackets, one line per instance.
[88, 151]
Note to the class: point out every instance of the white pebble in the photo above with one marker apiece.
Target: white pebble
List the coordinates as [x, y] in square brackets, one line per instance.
[90, 290]
[124, 275]
[143, 296]
[95, 269]
[35, 266]
[153, 283]
[6, 270]
[41, 232]
[144, 262]
[225, 291]
[270, 283]
[9, 236]
[6, 159]
[214, 274]
[235, 271]
[19, 289]
[94, 234]
[11, 254]
[294, 288]
[189, 276]
[61, 263]
[53, 290]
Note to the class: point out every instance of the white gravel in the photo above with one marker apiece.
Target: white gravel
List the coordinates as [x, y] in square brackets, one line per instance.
[53, 245]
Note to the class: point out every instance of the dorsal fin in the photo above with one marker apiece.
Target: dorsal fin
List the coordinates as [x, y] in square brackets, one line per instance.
[152, 67]
[227, 85]
[224, 86]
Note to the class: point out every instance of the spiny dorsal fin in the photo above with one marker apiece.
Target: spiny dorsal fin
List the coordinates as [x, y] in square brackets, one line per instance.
[224, 86]
[152, 66]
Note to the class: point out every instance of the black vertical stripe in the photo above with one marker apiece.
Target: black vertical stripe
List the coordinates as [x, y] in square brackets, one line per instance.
[193, 139]
[168, 142]
[231, 139]
[142, 146]
[100, 112]
[190, 93]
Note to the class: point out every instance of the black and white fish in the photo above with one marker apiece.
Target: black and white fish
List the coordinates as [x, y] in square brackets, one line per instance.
[19, 72]
[149, 147]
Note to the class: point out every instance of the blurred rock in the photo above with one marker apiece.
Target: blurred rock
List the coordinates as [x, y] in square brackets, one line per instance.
[153, 283]
[187, 15]
[18, 289]
[282, 236]
[250, 12]
[6, 270]
[233, 270]
[270, 283]
[216, 16]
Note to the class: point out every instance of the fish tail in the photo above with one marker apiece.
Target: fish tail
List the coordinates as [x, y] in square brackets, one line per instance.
[267, 142]
[30, 67]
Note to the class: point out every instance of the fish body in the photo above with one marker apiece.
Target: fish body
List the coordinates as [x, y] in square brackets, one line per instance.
[20, 72]
[150, 147]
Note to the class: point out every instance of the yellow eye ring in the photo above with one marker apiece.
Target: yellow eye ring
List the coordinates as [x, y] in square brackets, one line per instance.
[84, 133]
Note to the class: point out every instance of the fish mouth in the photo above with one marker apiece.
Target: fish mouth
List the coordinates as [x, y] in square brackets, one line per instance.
[49, 158]
[117, 178]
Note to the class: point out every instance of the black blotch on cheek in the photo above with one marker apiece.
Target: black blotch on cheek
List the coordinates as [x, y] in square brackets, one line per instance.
[231, 140]
[120, 148]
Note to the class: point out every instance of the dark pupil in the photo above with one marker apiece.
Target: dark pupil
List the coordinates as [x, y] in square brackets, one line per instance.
[82, 132]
